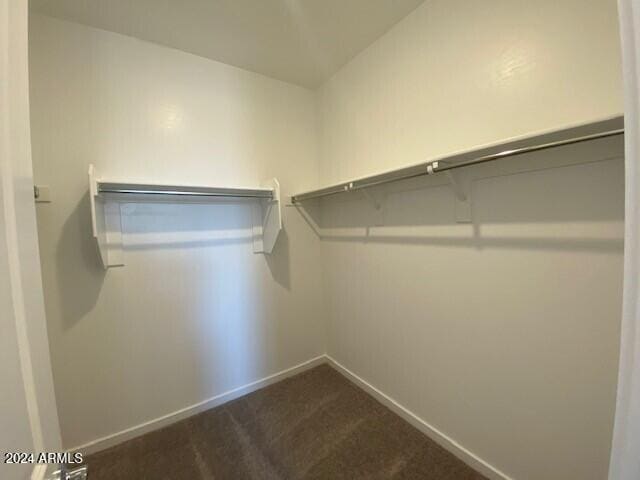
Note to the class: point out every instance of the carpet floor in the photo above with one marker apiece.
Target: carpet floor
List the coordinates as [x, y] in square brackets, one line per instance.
[316, 425]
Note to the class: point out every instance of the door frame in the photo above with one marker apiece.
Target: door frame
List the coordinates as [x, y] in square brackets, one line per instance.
[625, 449]
[20, 232]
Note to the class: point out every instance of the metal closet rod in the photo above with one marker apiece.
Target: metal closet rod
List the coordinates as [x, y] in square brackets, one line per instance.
[141, 189]
[436, 166]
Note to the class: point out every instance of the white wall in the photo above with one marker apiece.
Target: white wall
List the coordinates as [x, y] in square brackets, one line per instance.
[455, 75]
[502, 334]
[194, 313]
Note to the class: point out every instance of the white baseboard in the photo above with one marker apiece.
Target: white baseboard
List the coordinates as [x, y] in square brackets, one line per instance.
[436, 435]
[433, 433]
[157, 423]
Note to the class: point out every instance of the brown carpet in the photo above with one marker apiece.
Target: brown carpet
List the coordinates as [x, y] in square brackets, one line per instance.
[316, 425]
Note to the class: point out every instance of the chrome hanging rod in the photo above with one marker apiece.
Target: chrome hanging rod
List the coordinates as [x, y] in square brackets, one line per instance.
[442, 165]
[143, 189]
[519, 151]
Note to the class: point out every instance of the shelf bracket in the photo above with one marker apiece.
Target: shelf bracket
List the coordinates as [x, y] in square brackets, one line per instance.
[461, 186]
[267, 220]
[456, 185]
[462, 192]
[106, 225]
[378, 218]
[369, 196]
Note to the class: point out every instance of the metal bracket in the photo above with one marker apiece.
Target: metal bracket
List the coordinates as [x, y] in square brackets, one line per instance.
[462, 192]
[78, 473]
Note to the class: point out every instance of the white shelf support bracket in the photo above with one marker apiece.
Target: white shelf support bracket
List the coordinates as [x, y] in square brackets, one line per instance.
[106, 225]
[462, 191]
[378, 217]
[457, 186]
[375, 203]
[461, 186]
[267, 220]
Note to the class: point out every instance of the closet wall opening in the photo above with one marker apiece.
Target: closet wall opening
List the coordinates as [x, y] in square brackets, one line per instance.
[449, 325]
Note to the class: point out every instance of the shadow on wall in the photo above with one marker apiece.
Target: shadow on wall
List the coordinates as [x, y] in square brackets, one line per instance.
[553, 200]
[279, 260]
[204, 309]
[177, 226]
[80, 273]
[153, 227]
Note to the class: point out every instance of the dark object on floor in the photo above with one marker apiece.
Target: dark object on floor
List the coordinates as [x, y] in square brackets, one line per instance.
[316, 425]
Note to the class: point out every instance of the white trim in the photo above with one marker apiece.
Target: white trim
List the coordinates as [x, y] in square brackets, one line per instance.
[433, 433]
[13, 136]
[625, 446]
[157, 423]
[39, 472]
[19, 229]
[430, 431]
